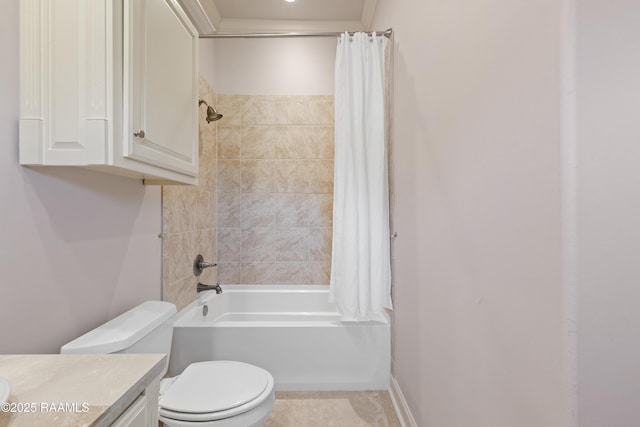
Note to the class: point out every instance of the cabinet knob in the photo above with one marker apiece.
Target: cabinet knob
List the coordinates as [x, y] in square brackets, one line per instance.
[139, 134]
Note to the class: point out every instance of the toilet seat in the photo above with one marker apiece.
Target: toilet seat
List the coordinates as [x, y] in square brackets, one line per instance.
[209, 391]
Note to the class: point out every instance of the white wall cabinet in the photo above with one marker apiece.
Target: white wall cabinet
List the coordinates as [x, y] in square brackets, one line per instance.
[110, 85]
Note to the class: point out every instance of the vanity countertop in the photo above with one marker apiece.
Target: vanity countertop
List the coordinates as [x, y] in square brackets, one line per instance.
[74, 389]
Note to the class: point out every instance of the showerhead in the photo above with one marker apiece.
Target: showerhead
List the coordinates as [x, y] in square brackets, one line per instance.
[212, 113]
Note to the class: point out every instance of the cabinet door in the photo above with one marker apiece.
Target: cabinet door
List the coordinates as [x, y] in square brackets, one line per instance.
[160, 122]
[134, 416]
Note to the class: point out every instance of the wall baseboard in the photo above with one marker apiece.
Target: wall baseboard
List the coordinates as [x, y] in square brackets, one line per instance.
[400, 405]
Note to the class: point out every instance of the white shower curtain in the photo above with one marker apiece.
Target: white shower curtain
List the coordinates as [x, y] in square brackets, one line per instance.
[360, 260]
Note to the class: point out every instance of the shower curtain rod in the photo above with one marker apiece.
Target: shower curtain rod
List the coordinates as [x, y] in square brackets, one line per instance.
[387, 33]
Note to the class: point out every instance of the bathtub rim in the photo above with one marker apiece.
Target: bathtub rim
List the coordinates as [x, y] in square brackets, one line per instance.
[206, 296]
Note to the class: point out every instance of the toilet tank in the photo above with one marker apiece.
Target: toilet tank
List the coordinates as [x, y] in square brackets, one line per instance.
[147, 328]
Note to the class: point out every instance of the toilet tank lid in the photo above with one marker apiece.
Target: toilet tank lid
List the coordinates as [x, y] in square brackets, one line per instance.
[122, 331]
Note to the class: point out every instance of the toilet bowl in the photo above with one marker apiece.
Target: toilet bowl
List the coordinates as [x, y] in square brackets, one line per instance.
[220, 393]
[207, 394]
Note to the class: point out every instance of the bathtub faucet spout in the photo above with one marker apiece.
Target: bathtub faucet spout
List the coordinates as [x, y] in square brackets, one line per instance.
[202, 287]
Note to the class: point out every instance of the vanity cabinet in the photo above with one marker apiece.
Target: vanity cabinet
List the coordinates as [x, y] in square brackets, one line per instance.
[110, 85]
[118, 390]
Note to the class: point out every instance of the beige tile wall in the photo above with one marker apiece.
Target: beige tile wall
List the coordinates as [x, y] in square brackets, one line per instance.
[189, 220]
[275, 189]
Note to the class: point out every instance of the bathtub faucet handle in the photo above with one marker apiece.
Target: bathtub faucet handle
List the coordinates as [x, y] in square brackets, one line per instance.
[200, 264]
[205, 264]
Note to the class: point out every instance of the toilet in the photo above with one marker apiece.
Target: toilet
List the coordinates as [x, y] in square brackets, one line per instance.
[207, 394]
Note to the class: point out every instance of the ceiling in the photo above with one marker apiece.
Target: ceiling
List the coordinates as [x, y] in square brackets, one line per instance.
[246, 16]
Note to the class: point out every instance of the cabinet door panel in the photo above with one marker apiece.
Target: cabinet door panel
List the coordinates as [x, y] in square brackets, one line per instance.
[135, 415]
[163, 87]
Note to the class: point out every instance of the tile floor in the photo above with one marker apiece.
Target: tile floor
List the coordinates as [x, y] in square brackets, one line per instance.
[333, 409]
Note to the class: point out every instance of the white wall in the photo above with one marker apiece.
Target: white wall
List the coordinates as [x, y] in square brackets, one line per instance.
[478, 320]
[608, 212]
[76, 247]
[207, 58]
[480, 152]
[275, 66]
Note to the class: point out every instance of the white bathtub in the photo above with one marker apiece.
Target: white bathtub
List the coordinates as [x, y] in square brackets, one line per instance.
[292, 331]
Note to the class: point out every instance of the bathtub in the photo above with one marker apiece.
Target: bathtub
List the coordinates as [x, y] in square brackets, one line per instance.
[292, 331]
